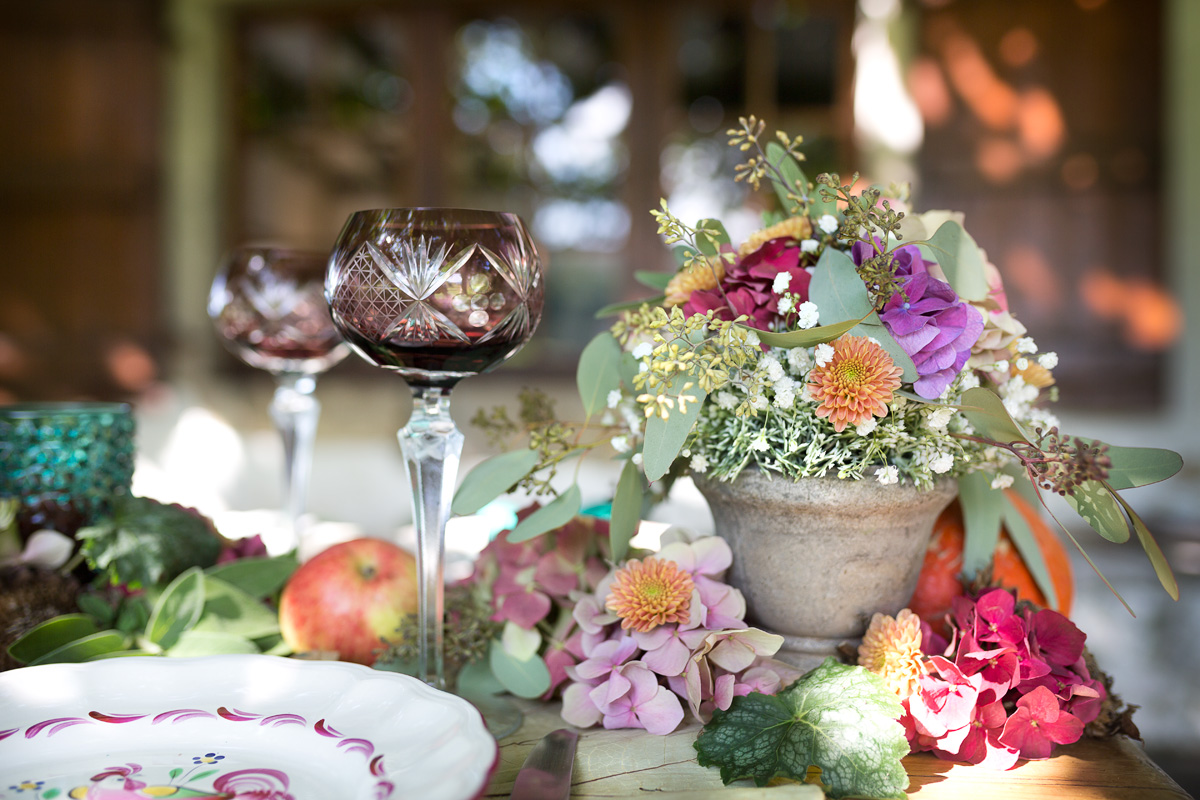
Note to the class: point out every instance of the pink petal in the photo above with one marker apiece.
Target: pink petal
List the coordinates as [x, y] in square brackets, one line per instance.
[669, 658]
[555, 575]
[661, 714]
[526, 609]
[712, 555]
[578, 708]
[723, 691]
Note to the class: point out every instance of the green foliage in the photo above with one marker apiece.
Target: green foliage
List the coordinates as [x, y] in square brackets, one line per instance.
[491, 478]
[983, 511]
[555, 514]
[839, 718]
[668, 430]
[50, 636]
[960, 259]
[147, 542]
[260, 577]
[985, 411]
[527, 678]
[598, 372]
[626, 511]
[177, 610]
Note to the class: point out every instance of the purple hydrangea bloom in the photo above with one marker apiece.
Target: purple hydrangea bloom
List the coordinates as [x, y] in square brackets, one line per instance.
[929, 320]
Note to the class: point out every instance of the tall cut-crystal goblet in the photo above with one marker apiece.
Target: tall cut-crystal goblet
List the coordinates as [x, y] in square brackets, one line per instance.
[268, 305]
[436, 295]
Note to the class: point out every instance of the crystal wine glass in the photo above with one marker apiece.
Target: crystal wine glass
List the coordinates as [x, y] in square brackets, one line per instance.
[268, 305]
[436, 295]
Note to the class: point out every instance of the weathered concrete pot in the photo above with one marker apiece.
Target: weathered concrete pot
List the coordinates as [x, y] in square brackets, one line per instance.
[817, 557]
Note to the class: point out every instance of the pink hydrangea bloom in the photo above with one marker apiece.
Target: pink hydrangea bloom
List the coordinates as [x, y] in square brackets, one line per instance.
[746, 288]
[1039, 723]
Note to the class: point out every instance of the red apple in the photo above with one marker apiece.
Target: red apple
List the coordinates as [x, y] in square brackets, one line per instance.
[345, 598]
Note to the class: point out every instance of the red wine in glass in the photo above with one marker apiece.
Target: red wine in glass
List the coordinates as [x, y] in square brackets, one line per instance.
[268, 306]
[436, 295]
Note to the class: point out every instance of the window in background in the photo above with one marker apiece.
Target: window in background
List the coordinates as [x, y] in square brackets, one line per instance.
[580, 120]
[1043, 122]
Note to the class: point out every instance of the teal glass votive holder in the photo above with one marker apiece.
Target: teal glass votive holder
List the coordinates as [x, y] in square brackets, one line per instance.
[65, 462]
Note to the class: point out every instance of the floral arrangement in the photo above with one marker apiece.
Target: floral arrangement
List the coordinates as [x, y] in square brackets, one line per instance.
[627, 646]
[846, 337]
[1013, 683]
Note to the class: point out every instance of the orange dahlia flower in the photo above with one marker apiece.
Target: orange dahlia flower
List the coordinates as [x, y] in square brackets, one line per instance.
[855, 384]
[891, 649]
[646, 594]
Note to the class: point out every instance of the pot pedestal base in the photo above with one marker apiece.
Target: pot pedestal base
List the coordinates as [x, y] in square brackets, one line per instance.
[808, 652]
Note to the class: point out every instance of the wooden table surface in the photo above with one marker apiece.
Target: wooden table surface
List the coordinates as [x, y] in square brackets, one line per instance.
[633, 763]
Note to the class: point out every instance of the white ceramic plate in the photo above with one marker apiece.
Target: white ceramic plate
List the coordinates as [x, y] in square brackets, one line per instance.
[239, 726]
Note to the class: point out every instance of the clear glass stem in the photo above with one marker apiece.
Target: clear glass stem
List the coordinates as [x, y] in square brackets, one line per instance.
[295, 412]
[431, 446]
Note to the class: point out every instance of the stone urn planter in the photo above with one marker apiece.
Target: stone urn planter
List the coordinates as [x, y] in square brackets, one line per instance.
[817, 557]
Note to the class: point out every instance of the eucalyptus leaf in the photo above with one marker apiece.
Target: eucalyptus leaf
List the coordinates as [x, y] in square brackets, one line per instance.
[960, 259]
[612, 309]
[555, 514]
[133, 616]
[629, 368]
[1159, 561]
[476, 680]
[837, 288]
[1026, 543]
[230, 611]
[805, 338]
[210, 643]
[653, 280]
[177, 610]
[273, 645]
[1138, 466]
[84, 649]
[491, 478]
[259, 577]
[1086, 557]
[984, 409]
[983, 508]
[50, 636]
[716, 229]
[1098, 507]
[529, 678]
[599, 372]
[665, 437]
[626, 511]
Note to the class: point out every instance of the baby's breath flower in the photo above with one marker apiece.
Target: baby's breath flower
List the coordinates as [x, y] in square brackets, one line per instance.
[798, 360]
[867, 427]
[620, 444]
[1048, 360]
[1026, 345]
[823, 354]
[698, 463]
[1021, 364]
[759, 443]
[1000, 366]
[807, 315]
[941, 463]
[786, 302]
[782, 279]
[828, 223]
[809, 246]
[969, 380]
[939, 418]
[752, 339]
[887, 475]
[642, 350]
[1002, 481]
[725, 400]
[614, 398]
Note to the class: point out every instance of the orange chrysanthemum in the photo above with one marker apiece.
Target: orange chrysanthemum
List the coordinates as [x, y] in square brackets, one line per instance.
[891, 649]
[646, 594]
[701, 275]
[856, 383]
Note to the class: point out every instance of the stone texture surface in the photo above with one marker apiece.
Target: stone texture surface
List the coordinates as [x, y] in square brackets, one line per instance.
[816, 558]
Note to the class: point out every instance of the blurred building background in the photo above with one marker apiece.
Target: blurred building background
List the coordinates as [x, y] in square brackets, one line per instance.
[141, 138]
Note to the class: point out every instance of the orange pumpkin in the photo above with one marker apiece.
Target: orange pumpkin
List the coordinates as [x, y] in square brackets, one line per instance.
[940, 580]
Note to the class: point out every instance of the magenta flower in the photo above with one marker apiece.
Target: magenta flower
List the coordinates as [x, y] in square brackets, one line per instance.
[982, 745]
[560, 654]
[942, 707]
[746, 288]
[998, 669]
[1038, 724]
[248, 547]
